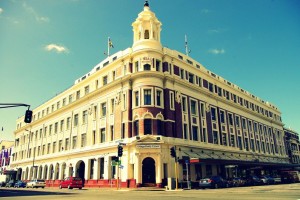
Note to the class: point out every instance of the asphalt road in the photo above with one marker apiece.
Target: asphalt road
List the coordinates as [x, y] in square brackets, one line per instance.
[272, 192]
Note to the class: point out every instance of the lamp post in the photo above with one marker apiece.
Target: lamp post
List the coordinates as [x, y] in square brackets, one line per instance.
[33, 151]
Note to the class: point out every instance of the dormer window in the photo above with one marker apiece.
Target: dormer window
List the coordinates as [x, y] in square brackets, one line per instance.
[146, 34]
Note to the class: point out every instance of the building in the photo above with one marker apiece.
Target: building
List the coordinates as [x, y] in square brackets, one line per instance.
[149, 98]
[6, 172]
[292, 144]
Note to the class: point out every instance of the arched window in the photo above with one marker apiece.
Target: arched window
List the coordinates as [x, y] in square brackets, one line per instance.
[146, 34]
[147, 67]
[147, 126]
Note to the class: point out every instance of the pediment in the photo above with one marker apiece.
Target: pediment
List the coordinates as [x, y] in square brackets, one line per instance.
[149, 139]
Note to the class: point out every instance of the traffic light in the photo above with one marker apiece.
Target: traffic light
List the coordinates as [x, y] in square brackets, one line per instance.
[28, 116]
[173, 152]
[120, 151]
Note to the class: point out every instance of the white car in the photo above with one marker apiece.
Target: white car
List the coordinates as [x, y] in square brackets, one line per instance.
[35, 183]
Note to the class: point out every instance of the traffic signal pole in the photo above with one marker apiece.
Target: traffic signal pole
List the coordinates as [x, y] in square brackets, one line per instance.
[28, 113]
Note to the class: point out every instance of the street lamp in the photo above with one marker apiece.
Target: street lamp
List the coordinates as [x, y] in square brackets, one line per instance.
[33, 151]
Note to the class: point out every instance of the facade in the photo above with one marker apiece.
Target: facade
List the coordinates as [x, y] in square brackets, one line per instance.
[149, 98]
[292, 144]
[6, 173]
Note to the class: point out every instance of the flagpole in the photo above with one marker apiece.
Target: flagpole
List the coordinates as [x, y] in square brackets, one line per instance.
[108, 46]
[186, 46]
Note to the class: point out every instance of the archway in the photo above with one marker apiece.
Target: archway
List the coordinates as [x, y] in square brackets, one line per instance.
[148, 172]
[51, 171]
[80, 168]
[26, 174]
[40, 172]
[45, 172]
[19, 174]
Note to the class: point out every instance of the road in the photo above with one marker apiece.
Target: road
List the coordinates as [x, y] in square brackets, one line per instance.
[272, 192]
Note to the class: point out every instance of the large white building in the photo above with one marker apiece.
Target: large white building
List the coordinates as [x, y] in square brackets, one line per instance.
[149, 98]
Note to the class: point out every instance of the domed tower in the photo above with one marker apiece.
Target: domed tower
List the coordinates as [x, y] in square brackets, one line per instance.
[146, 30]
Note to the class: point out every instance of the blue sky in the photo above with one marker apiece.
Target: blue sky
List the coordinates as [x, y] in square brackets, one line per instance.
[46, 44]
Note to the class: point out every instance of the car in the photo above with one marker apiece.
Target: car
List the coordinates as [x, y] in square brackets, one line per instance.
[238, 182]
[213, 182]
[36, 183]
[266, 179]
[253, 180]
[2, 184]
[20, 184]
[10, 183]
[277, 179]
[71, 182]
[290, 176]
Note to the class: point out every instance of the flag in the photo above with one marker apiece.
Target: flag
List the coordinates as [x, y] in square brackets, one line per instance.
[110, 44]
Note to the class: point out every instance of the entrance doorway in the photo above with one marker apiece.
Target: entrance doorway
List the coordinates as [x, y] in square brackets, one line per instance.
[80, 168]
[148, 171]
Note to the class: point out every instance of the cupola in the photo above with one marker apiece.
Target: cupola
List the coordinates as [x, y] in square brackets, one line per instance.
[146, 30]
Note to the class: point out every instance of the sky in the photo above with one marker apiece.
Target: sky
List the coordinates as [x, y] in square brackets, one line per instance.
[45, 45]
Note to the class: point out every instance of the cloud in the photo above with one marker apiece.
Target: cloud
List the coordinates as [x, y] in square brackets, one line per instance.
[57, 48]
[1, 10]
[216, 51]
[37, 17]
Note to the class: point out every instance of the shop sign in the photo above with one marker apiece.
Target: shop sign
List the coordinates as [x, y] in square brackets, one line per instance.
[148, 146]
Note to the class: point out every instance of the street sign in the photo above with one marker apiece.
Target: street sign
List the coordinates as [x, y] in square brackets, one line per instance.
[115, 163]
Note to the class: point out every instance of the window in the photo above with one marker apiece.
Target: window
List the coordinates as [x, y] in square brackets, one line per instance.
[64, 102]
[62, 125]
[136, 98]
[67, 144]
[146, 34]
[50, 129]
[136, 66]
[157, 65]
[48, 148]
[195, 133]
[55, 127]
[68, 123]
[213, 114]
[147, 67]
[84, 117]
[136, 127]
[83, 140]
[185, 131]
[103, 109]
[70, 98]
[172, 101]
[104, 80]
[215, 137]
[159, 127]
[230, 119]
[147, 126]
[158, 97]
[222, 116]
[193, 107]
[74, 142]
[77, 94]
[102, 136]
[184, 104]
[147, 97]
[211, 87]
[76, 120]
[237, 121]
[86, 90]
[191, 78]
[60, 146]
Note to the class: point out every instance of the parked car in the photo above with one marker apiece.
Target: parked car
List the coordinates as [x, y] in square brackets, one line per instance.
[290, 176]
[238, 182]
[253, 180]
[71, 182]
[213, 182]
[2, 184]
[20, 184]
[277, 179]
[268, 180]
[35, 183]
[10, 183]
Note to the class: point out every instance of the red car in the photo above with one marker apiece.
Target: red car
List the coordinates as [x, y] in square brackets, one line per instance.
[71, 182]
